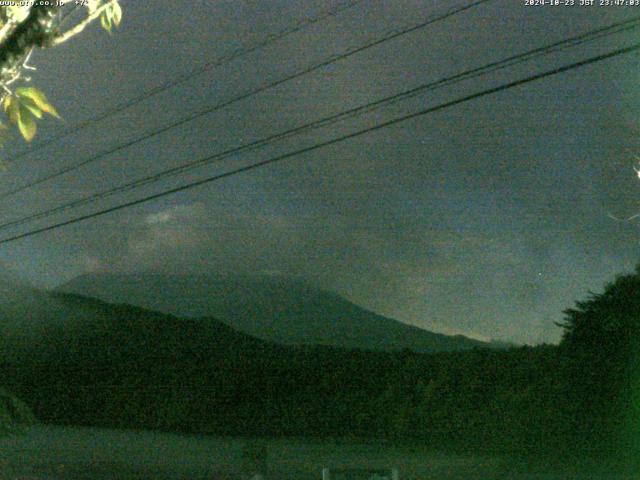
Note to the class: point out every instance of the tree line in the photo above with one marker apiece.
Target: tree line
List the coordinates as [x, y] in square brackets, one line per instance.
[132, 368]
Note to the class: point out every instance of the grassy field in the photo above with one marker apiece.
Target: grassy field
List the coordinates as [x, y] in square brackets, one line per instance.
[60, 453]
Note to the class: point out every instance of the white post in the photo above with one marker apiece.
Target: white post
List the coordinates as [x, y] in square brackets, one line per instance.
[325, 474]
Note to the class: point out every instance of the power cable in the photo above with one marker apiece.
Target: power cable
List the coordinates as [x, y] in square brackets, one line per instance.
[473, 73]
[236, 99]
[333, 141]
[239, 52]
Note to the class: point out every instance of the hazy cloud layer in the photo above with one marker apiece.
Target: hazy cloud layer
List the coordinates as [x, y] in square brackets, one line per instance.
[488, 218]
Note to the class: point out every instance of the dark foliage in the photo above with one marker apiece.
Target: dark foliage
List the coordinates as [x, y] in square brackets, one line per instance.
[129, 367]
[601, 354]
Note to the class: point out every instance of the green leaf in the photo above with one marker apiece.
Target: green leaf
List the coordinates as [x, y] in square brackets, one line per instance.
[12, 108]
[105, 20]
[31, 106]
[37, 98]
[24, 107]
[111, 16]
[116, 13]
[27, 123]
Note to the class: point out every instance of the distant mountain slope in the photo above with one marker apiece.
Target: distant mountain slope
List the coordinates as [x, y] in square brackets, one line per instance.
[94, 363]
[83, 361]
[274, 308]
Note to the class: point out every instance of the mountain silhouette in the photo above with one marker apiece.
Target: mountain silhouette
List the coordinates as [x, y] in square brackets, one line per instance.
[271, 307]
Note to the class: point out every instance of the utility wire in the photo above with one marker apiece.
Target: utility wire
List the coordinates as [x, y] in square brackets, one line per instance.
[223, 60]
[243, 96]
[342, 138]
[357, 111]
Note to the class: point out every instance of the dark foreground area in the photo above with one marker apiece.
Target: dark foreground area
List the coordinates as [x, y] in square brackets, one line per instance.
[61, 453]
[120, 369]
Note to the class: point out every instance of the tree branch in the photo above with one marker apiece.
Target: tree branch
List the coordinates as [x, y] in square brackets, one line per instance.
[6, 28]
[80, 26]
[35, 31]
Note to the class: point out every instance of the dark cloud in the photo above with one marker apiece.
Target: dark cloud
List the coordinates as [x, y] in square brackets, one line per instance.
[488, 218]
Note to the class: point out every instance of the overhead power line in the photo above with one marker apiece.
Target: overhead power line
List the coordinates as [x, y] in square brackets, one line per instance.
[218, 62]
[243, 96]
[336, 140]
[360, 110]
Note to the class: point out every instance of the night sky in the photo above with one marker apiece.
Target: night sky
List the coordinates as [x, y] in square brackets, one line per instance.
[488, 218]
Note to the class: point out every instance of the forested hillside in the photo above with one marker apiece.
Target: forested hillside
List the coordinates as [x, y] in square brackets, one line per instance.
[124, 366]
[13, 413]
[129, 367]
